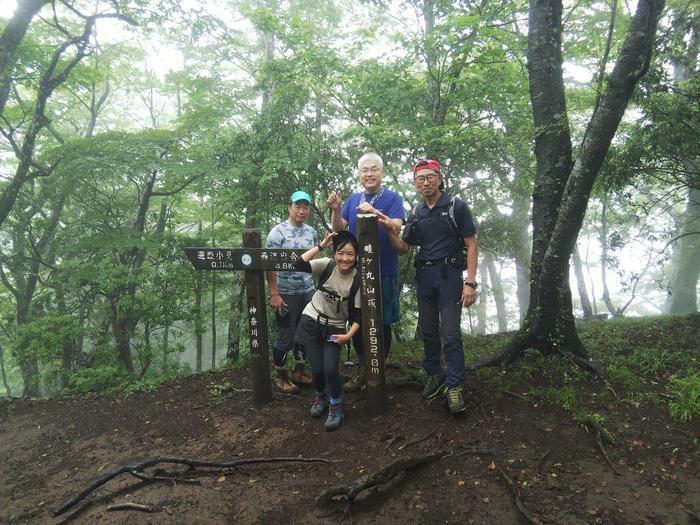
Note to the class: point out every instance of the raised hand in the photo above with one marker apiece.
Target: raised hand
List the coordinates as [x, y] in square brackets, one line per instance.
[334, 201]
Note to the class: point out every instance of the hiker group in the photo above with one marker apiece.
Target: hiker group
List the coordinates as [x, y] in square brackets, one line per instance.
[314, 321]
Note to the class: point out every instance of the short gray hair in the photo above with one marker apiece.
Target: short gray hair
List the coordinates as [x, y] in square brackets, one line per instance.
[370, 156]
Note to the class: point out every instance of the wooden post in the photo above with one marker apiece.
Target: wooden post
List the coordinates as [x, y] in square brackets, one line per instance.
[372, 316]
[257, 325]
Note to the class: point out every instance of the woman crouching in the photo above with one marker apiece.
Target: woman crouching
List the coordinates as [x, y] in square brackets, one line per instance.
[322, 329]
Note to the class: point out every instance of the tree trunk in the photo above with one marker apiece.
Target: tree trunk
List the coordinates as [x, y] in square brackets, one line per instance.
[198, 293]
[686, 259]
[12, 35]
[604, 259]
[482, 302]
[68, 352]
[198, 328]
[26, 277]
[581, 285]
[213, 320]
[122, 336]
[562, 188]
[497, 287]
[236, 321]
[521, 251]
[213, 301]
[27, 363]
[4, 372]
[165, 345]
[686, 254]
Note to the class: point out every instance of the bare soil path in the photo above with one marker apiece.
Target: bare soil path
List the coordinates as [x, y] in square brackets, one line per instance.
[52, 449]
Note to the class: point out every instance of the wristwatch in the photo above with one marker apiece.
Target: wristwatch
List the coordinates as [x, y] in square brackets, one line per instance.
[473, 284]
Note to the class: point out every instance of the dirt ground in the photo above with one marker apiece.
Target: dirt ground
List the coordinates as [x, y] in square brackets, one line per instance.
[53, 449]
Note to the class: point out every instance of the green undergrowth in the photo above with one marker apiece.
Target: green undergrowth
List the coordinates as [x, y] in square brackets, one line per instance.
[644, 360]
[110, 380]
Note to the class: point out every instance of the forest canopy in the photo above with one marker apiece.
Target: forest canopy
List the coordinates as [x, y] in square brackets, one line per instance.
[130, 129]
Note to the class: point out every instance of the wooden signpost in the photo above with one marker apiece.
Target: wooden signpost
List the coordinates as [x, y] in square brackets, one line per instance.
[255, 261]
[372, 323]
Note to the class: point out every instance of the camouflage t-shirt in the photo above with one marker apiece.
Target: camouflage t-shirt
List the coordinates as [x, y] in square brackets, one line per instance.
[286, 235]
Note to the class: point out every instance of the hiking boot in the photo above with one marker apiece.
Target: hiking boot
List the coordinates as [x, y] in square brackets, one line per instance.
[357, 382]
[434, 386]
[302, 378]
[455, 400]
[319, 405]
[284, 385]
[335, 417]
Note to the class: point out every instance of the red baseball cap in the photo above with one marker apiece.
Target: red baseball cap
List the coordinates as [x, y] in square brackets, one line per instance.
[427, 164]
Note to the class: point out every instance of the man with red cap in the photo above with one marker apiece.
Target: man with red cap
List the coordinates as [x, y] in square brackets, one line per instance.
[442, 227]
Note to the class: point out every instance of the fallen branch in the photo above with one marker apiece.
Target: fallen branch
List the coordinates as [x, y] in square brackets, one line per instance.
[387, 475]
[130, 506]
[602, 435]
[136, 467]
[170, 479]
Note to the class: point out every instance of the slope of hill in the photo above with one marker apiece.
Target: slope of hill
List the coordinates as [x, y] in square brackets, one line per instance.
[528, 445]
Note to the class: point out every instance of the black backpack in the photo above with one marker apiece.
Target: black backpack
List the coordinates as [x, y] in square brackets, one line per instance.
[326, 274]
[450, 216]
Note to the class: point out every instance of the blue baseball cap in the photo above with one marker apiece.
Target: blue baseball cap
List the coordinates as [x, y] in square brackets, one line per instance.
[300, 196]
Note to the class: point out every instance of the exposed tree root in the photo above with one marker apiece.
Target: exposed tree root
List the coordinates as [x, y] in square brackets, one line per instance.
[421, 439]
[390, 476]
[526, 514]
[516, 347]
[602, 435]
[505, 356]
[136, 468]
[585, 363]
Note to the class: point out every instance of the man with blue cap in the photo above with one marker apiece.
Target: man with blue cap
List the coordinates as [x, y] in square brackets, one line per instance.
[290, 292]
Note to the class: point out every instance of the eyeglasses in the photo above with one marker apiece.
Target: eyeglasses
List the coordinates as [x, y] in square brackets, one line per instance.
[373, 170]
[422, 178]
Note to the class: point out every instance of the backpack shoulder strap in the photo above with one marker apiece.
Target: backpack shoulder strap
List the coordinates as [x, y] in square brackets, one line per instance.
[356, 283]
[451, 217]
[326, 273]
